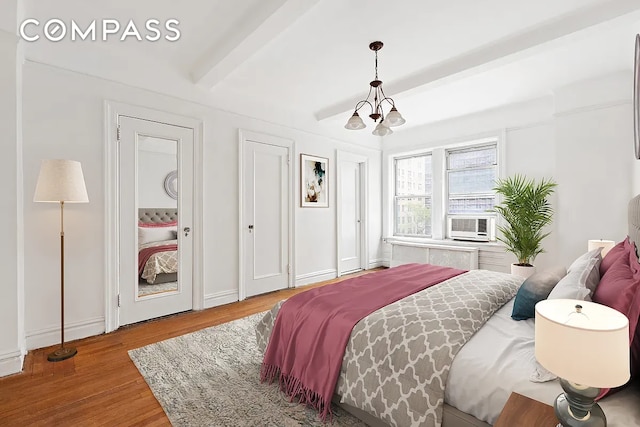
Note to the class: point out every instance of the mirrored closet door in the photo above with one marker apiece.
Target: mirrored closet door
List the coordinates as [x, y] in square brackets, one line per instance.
[155, 203]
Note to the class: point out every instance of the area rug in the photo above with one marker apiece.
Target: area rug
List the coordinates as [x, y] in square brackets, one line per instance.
[145, 289]
[212, 378]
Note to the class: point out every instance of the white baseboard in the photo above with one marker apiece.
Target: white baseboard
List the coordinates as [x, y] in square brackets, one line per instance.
[315, 277]
[375, 263]
[220, 298]
[73, 331]
[11, 363]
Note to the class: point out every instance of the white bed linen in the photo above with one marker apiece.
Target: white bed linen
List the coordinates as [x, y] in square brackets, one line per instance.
[500, 359]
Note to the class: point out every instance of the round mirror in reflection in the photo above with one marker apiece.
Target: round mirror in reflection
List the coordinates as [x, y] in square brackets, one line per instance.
[171, 184]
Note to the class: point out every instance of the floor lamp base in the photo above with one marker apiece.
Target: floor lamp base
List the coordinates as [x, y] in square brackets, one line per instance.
[63, 353]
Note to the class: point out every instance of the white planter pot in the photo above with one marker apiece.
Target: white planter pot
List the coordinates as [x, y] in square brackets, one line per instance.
[522, 271]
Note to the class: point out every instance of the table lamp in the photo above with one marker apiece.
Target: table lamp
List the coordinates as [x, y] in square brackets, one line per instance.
[61, 181]
[587, 346]
[606, 245]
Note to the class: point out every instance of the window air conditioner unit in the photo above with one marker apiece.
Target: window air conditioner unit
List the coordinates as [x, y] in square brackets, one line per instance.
[468, 227]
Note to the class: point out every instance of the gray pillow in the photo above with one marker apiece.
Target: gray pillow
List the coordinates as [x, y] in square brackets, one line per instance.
[583, 276]
[593, 279]
[535, 289]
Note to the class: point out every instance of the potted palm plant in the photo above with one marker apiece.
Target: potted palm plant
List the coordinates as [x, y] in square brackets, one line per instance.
[526, 211]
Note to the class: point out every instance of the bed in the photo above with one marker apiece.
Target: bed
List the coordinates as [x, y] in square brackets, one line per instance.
[496, 360]
[157, 245]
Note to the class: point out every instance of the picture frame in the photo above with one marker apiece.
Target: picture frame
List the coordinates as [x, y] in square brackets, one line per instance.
[314, 181]
[636, 99]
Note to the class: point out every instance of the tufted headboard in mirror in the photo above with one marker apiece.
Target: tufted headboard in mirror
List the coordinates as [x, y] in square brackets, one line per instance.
[157, 215]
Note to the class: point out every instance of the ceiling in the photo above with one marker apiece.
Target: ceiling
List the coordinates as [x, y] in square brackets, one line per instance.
[305, 63]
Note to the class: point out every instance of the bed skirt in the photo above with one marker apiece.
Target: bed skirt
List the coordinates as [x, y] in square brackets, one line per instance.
[451, 417]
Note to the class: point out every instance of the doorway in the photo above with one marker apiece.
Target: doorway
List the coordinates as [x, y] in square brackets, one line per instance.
[153, 214]
[266, 219]
[351, 213]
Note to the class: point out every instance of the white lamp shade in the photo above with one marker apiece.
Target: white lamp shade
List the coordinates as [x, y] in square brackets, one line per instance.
[382, 130]
[590, 348]
[394, 118]
[355, 122]
[61, 181]
[606, 246]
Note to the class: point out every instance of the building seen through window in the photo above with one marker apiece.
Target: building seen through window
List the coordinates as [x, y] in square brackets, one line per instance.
[413, 196]
[471, 174]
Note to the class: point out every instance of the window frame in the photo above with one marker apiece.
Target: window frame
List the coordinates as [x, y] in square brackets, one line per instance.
[439, 202]
[395, 196]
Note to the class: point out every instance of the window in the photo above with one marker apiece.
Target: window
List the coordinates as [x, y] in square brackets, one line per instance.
[412, 198]
[471, 176]
[429, 185]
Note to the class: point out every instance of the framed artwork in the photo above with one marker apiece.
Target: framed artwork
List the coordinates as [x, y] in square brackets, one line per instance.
[636, 99]
[314, 183]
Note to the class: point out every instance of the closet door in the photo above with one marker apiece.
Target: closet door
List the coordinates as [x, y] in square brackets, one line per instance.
[266, 218]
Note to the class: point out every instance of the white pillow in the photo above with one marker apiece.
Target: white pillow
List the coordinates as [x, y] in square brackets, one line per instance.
[156, 234]
[582, 278]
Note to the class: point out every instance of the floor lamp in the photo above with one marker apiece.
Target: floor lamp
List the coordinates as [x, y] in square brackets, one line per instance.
[61, 181]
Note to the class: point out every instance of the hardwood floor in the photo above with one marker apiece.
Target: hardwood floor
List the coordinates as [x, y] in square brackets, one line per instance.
[101, 385]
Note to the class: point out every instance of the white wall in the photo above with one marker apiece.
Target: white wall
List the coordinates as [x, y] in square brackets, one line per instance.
[64, 117]
[581, 137]
[153, 168]
[531, 150]
[594, 147]
[11, 252]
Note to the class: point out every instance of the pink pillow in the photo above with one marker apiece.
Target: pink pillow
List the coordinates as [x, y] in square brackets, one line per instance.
[619, 288]
[159, 224]
[635, 353]
[634, 317]
[613, 255]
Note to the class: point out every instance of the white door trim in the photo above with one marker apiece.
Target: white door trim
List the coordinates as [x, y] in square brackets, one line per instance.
[245, 136]
[364, 205]
[113, 110]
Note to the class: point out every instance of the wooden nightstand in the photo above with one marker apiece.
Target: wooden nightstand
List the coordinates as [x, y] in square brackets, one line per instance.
[522, 411]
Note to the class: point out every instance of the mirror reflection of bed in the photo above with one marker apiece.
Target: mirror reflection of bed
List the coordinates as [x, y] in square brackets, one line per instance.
[157, 251]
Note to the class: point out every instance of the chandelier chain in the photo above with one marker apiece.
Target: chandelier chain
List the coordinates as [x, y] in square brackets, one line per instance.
[376, 65]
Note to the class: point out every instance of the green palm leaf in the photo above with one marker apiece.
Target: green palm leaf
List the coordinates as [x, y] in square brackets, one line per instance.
[526, 210]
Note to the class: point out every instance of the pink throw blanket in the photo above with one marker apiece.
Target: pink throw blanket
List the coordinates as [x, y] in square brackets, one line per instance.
[145, 254]
[312, 329]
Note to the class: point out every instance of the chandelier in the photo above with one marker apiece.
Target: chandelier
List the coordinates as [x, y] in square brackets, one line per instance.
[391, 119]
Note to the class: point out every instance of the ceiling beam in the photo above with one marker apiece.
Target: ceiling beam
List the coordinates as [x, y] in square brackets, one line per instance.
[258, 28]
[503, 51]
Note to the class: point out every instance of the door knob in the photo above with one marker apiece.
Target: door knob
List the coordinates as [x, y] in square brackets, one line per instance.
[186, 230]
[250, 228]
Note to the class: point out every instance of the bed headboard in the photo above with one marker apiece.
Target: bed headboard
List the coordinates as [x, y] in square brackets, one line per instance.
[634, 220]
[157, 215]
